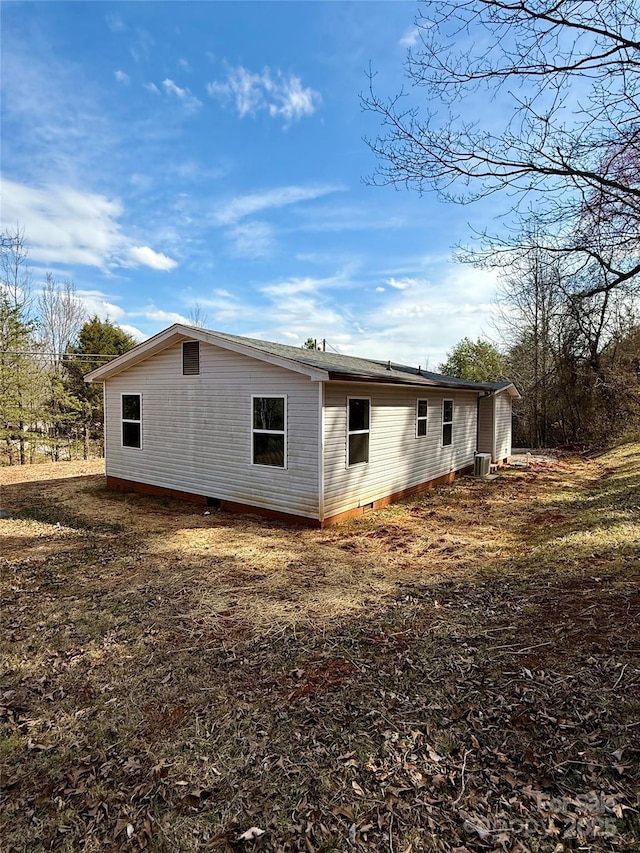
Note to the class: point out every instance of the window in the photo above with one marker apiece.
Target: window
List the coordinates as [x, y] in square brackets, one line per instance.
[269, 431]
[421, 418]
[132, 420]
[447, 422]
[358, 431]
[191, 358]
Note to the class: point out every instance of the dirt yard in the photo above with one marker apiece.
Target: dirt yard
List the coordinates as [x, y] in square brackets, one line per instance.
[458, 672]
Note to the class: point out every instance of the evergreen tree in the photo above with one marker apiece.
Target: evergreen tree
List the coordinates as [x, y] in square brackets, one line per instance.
[19, 365]
[98, 342]
[17, 371]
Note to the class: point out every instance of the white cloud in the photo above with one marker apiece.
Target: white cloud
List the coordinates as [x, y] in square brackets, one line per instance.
[96, 304]
[293, 101]
[274, 92]
[403, 283]
[415, 324]
[410, 38]
[246, 205]
[251, 239]
[68, 226]
[224, 308]
[348, 217]
[64, 225]
[151, 87]
[306, 306]
[307, 315]
[133, 331]
[141, 48]
[157, 315]
[183, 65]
[115, 23]
[122, 77]
[297, 286]
[424, 317]
[143, 255]
[189, 101]
[60, 125]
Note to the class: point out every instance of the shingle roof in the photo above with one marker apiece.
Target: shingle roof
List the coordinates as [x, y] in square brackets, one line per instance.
[331, 365]
[352, 367]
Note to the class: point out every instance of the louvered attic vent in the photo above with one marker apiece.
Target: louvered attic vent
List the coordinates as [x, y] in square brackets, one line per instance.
[191, 358]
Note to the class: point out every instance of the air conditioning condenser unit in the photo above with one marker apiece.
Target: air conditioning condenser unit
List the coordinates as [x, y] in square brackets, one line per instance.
[482, 465]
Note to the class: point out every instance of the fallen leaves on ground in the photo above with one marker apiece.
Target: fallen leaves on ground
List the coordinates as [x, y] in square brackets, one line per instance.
[455, 673]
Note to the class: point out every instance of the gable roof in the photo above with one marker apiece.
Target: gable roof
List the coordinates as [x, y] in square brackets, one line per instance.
[316, 364]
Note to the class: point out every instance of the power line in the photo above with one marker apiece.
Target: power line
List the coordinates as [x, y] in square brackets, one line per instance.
[63, 355]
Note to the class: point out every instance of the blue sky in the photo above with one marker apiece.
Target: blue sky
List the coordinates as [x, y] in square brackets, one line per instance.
[166, 154]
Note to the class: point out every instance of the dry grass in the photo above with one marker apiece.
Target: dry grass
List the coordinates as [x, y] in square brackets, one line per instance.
[457, 671]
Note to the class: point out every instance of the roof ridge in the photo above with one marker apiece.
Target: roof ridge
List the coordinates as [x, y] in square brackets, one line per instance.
[317, 364]
[312, 357]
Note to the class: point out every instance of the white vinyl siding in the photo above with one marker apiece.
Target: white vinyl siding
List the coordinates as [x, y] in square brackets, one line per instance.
[494, 435]
[198, 434]
[502, 409]
[396, 460]
[485, 427]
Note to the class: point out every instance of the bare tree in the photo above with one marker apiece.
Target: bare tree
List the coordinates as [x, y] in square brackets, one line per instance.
[566, 77]
[530, 321]
[61, 316]
[15, 272]
[197, 316]
[19, 388]
[563, 350]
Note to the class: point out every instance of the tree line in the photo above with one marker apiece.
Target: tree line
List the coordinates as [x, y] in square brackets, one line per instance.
[576, 364]
[538, 104]
[47, 344]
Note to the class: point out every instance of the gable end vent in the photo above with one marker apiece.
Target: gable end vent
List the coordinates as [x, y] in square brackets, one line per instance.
[191, 358]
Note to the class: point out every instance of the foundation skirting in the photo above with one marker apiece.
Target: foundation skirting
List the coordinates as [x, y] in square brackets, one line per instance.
[123, 485]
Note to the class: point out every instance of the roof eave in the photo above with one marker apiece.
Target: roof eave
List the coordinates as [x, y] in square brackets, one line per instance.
[416, 381]
[139, 353]
[511, 390]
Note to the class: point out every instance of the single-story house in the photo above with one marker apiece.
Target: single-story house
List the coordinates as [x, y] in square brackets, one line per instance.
[249, 425]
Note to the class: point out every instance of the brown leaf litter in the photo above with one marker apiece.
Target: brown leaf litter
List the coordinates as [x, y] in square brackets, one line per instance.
[458, 672]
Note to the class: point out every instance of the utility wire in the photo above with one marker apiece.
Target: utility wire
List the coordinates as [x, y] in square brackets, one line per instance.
[63, 355]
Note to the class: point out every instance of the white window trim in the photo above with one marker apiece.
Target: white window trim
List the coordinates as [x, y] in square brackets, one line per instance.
[357, 432]
[130, 420]
[444, 423]
[424, 418]
[271, 431]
